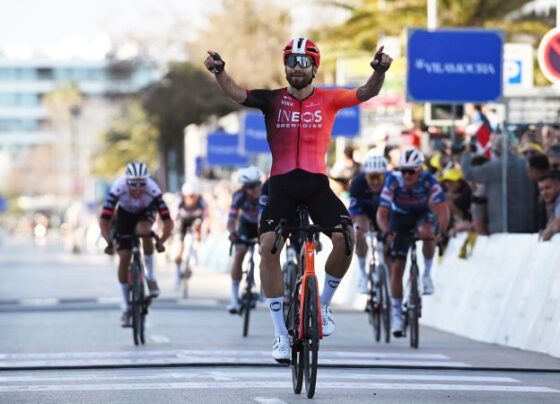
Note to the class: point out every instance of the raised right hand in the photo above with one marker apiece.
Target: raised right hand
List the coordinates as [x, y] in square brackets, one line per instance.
[214, 62]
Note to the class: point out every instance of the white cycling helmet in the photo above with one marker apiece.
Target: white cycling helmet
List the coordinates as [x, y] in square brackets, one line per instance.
[249, 175]
[190, 188]
[137, 170]
[375, 163]
[411, 158]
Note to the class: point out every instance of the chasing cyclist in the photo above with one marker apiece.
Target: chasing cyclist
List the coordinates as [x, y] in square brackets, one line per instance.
[299, 120]
[365, 194]
[136, 198]
[407, 200]
[242, 223]
[191, 213]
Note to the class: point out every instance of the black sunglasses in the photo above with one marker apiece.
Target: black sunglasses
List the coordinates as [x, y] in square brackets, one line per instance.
[408, 171]
[135, 184]
[303, 60]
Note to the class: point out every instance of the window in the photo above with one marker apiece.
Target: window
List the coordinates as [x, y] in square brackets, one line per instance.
[45, 73]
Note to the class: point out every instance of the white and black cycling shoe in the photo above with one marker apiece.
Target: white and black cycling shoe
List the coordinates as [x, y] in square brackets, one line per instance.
[397, 325]
[281, 349]
[427, 285]
[328, 321]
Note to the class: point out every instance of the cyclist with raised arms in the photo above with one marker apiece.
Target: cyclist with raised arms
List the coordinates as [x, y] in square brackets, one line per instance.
[191, 212]
[136, 198]
[299, 121]
[242, 223]
[407, 200]
[365, 194]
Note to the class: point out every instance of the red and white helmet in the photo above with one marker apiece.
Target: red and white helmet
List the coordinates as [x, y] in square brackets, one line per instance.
[303, 46]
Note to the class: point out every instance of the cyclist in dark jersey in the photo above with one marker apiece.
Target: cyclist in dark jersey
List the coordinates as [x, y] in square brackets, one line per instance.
[365, 195]
[408, 198]
[242, 223]
[299, 120]
[192, 211]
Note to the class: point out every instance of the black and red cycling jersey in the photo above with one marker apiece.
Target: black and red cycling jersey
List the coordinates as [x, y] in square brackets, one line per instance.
[299, 131]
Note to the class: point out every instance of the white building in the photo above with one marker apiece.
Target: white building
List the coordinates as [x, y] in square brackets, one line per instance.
[24, 83]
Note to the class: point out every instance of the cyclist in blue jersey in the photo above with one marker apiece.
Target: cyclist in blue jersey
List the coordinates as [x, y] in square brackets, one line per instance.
[242, 223]
[365, 194]
[407, 200]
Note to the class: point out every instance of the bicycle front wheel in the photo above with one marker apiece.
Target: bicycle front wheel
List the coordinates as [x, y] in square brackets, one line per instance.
[414, 311]
[375, 304]
[247, 302]
[136, 301]
[385, 302]
[311, 335]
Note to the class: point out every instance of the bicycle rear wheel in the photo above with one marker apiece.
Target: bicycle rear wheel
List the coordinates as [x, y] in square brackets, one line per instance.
[311, 335]
[414, 309]
[290, 274]
[185, 276]
[292, 321]
[385, 302]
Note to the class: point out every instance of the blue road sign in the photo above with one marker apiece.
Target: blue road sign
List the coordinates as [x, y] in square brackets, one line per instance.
[254, 133]
[454, 65]
[347, 122]
[3, 204]
[223, 150]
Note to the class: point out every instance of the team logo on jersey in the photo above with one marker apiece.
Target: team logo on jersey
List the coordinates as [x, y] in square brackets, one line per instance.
[295, 119]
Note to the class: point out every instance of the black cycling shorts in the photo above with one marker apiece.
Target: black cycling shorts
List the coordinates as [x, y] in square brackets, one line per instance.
[126, 225]
[247, 229]
[403, 225]
[185, 224]
[299, 187]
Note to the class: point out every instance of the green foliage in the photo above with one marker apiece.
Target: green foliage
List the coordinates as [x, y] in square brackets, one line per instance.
[185, 95]
[371, 19]
[130, 137]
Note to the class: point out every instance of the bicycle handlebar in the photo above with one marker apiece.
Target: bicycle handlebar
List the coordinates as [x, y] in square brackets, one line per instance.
[159, 246]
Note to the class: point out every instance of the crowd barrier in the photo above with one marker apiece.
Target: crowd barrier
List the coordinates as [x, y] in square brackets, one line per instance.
[506, 291]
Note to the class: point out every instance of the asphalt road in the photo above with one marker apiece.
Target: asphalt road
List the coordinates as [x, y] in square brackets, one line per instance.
[61, 342]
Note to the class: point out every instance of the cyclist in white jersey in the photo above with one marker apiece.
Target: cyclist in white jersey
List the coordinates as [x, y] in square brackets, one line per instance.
[136, 198]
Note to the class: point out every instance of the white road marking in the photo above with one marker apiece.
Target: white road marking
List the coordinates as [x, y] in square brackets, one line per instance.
[265, 400]
[273, 385]
[212, 352]
[189, 356]
[232, 375]
[160, 339]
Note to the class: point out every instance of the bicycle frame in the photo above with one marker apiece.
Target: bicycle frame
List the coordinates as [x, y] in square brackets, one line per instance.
[308, 258]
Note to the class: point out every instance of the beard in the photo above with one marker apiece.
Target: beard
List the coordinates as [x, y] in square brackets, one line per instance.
[299, 82]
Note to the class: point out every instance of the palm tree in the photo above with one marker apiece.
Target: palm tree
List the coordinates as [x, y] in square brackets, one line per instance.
[372, 19]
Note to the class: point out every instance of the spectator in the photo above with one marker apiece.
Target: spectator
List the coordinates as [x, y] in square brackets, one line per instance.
[529, 149]
[549, 188]
[479, 206]
[458, 197]
[343, 170]
[479, 128]
[538, 166]
[553, 155]
[520, 192]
